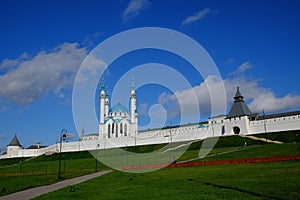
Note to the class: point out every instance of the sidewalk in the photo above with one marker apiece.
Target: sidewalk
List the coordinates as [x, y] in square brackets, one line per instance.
[37, 191]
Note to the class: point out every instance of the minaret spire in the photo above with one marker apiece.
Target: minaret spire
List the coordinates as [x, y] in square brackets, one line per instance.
[133, 103]
[132, 83]
[102, 83]
[102, 102]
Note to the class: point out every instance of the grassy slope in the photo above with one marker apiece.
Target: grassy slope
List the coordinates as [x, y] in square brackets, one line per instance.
[231, 153]
[248, 181]
[283, 136]
[43, 170]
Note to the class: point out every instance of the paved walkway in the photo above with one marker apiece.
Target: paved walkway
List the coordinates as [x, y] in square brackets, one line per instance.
[37, 191]
[261, 139]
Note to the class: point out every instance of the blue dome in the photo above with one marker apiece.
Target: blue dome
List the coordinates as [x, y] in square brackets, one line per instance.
[119, 108]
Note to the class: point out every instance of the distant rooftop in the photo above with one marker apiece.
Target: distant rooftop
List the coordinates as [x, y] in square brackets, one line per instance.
[239, 108]
[36, 146]
[286, 114]
[15, 142]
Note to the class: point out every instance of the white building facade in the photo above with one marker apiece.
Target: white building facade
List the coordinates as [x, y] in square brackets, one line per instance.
[118, 127]
[116, 122]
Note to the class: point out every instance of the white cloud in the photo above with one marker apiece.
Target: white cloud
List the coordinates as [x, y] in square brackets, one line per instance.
[197, 16]
[243, 67]
[142, 110]
[259, 97]
[26, 78]
[92, 66]
[158, 116]
[4, 108]
[134, 8]
[203, 94]
[91, 40]
[270, 103]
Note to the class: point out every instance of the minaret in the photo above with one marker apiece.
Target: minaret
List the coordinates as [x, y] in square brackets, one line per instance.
[102, 103]
[106, 104]
[102, 110]
[132, 103]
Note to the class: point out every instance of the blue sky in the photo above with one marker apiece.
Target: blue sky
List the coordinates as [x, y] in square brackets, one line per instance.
[255, 45]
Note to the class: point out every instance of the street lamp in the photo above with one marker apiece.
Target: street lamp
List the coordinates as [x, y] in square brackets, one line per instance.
[126, 149]
[265, 125]
[96, 159]
[172, 158]
[63, 136]
[135, 141]
[297, 141]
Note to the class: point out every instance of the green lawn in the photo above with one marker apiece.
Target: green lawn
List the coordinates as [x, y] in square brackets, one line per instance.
[279, 180]
[288, 149]
[43, 170]
[16, 175]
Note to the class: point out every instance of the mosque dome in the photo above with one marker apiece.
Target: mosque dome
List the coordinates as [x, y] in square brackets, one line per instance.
[118, 108]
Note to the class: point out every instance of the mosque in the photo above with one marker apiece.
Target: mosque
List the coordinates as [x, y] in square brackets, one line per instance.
[118, 127]
[117, 121]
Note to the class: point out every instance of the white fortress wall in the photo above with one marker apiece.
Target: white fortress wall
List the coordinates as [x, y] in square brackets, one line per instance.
[241, 122]
[215, 127]
[275, 124]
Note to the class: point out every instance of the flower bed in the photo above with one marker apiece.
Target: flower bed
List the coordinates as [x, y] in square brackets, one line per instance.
[217, 162]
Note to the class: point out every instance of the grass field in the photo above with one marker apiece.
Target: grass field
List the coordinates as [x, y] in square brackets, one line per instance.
[43, 170]
[249, 181]
[19, 174]
[230, 153]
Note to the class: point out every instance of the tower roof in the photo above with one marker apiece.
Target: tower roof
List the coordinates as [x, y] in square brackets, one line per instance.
[239, 108]
[238, 93]
[15, 142]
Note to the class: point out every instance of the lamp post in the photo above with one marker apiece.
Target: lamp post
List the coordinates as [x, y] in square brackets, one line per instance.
[265, 126]
[126, 149]
[171, 136]
[96, 159]
[212, 127]
[297, 141]
[172, 158]
[63, 136]
[135, 141]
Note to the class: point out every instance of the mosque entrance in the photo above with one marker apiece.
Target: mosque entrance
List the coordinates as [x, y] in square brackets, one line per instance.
[236, 130]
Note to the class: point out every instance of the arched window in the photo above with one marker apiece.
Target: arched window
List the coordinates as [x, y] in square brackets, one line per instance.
[108, 131]
[125, 130]
[113, 128]
[117, 130]
[121, 128]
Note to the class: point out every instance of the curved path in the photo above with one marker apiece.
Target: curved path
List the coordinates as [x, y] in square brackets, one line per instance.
[37, 191]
